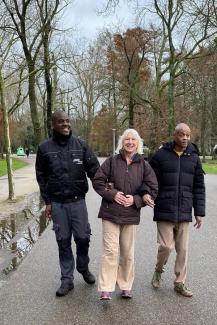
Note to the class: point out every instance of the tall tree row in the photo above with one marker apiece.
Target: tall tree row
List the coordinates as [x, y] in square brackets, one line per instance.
[149, 76]
[181, 28]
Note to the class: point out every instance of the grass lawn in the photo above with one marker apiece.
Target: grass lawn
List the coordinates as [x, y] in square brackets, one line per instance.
[15, 163]
[210, 167]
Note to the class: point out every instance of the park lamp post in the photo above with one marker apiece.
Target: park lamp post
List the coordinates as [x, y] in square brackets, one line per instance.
[113, 140]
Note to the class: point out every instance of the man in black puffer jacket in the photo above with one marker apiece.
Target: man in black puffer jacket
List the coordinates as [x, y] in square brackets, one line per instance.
[181, 186]
[61, 166]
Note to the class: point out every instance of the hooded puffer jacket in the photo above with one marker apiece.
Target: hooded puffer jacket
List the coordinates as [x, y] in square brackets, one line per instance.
[181, 184]
[127, 179]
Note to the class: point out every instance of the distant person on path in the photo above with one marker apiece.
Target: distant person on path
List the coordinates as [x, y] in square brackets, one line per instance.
[181, 187]
[62, 163]
[27, 152]
[118, 181]
[215, 151]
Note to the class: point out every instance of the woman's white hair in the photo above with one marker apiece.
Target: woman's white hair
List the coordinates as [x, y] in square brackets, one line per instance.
[136, 135]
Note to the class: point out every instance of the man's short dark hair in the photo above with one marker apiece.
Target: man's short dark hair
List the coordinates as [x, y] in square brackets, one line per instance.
[56, 113]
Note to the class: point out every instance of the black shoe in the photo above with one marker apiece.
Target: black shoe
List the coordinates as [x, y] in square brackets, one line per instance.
[64, 289]
[88, 277]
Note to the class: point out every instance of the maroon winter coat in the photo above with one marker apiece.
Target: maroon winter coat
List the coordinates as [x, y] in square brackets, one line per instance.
[127, 179]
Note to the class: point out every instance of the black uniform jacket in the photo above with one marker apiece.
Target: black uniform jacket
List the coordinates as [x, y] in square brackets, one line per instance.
[181, 184]
[61, 167]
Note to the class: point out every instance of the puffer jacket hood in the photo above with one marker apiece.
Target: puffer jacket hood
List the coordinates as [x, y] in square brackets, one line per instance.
[191, 148]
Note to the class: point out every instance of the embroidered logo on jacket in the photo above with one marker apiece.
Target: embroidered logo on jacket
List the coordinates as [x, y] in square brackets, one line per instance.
[77, 161]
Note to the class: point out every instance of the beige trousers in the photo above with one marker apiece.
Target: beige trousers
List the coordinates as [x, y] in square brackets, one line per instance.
[117, 264]
[169, 236]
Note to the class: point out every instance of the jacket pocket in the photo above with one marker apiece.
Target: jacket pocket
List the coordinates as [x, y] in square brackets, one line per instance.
[186, 201]
[56, 229]
[165, 202]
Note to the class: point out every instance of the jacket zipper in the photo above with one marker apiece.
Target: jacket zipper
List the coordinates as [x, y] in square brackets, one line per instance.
[127, 170]
[178, 197]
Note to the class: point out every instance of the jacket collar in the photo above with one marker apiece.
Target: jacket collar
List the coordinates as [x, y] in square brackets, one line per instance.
[135, 158]
[191, 148]
[61, 139]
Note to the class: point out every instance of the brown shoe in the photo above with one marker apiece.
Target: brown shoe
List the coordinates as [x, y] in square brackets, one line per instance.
[182, 289]
[156, 279]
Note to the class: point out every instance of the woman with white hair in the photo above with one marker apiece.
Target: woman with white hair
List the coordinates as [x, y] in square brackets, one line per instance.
[118, 181]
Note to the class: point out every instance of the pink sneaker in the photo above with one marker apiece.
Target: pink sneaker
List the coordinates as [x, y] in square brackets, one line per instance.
[105, 295]
[126, 294]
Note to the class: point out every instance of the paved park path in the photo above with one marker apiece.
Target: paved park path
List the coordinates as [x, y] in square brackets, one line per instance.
[25, 183]
[28, 295]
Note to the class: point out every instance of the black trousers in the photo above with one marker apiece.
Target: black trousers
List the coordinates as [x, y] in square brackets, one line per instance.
[71, 219]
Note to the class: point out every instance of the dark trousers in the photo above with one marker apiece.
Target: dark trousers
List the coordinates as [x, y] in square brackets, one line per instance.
[71, 219]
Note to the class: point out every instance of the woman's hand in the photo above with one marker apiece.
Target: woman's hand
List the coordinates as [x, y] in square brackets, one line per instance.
[125, 200]
[120, 198]
[129, 200]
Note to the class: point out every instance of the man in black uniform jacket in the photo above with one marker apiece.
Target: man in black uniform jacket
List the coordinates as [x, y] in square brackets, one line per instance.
[62, 164]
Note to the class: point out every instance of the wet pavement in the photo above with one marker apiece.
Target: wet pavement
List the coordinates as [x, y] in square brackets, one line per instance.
[21, 222]
[27, 296]
[19, 232]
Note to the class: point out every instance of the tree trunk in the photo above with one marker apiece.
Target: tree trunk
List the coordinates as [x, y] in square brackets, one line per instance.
[33, 104]
[203, 130]
[54, 89]
[214, 109]
[171, 110]
[154, 138]
[131, 109]
[115, 108]
[47, 78]
[11, 187]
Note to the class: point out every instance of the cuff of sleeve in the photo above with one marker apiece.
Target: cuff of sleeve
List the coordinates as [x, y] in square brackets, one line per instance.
[110, 195]
[138, 201]
[46, 201]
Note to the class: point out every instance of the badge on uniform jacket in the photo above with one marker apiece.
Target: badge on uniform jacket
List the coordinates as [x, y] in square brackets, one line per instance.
[77, 161]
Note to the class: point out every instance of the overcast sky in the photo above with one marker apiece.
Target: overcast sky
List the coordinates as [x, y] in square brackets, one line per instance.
[82, 14]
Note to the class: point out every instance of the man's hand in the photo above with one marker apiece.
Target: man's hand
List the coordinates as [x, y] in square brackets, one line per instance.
[147, 199]
[120, 198]
[48, 211]
[198, 222]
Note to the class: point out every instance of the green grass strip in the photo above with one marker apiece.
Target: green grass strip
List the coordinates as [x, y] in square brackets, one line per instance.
[16, 164]
[210, 167]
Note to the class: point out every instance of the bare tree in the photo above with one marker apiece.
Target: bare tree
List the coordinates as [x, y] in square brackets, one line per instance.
[180, 40]
[200, 97]
[32, 22]
[86, 73]
[47, 11]
[6, 43]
